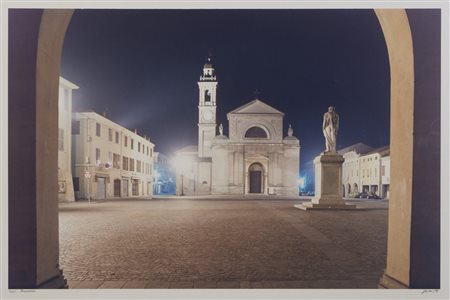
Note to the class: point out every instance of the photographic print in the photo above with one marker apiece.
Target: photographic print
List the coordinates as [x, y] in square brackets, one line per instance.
[273, 150]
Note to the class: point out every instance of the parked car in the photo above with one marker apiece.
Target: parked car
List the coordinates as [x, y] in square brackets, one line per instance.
[373, 196]
[362, 195]
[365, 195]
[306, 193]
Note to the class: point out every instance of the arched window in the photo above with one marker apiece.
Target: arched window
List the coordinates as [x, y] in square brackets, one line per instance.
[207, 96]
[256, 133]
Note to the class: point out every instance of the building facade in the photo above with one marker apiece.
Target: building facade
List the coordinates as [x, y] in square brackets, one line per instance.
[254, 159]
[109, 160]
[350, 174]
[385, 176]
[65, 184]
[365, 170]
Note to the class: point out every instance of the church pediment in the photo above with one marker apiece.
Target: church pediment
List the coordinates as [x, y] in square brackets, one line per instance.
[256, 107]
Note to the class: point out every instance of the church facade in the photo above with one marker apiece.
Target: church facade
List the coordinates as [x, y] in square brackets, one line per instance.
[255, 158]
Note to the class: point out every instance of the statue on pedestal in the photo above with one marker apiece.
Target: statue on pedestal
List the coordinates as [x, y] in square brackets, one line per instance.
[330, 129]
[328, 170]
[290, 130]
[221, 129]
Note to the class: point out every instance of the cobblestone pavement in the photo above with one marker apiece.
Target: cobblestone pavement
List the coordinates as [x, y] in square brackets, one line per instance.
[221, 243]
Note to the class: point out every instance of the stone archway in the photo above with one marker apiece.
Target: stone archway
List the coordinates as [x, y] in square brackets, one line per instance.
[406, 265]
[35, 46]
[34, 63]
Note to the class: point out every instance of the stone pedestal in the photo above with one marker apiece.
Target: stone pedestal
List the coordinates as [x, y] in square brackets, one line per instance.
[328, 180]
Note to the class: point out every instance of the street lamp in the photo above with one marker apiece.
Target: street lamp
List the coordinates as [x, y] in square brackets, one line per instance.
[182, 165]
[182, 184]
[88, 175]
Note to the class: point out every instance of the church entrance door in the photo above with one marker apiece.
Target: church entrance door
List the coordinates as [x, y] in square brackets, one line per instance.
[255, 178]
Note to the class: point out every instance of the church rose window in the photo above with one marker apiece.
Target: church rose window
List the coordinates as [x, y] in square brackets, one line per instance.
[256, 132]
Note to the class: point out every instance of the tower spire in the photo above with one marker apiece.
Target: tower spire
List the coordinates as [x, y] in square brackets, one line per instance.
[256, 93]
[209, 73]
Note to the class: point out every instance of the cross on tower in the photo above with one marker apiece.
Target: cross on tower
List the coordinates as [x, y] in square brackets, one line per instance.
[256, 92]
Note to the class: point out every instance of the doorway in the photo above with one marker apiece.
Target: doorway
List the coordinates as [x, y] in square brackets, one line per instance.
[255, 173]
[135, 187]
[116, 187]
[101, 188]
[125, 187]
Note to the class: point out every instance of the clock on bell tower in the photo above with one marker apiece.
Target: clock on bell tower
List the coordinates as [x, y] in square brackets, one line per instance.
[206, 109]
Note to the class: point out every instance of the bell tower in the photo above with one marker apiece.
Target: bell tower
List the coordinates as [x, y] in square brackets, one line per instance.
[207, 109]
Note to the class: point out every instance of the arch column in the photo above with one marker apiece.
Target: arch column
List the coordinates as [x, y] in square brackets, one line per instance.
[35, 44]
[413, 252]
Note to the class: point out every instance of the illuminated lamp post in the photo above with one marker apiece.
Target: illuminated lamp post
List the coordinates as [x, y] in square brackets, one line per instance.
[182, 184]
[182, 164]
[156, 186]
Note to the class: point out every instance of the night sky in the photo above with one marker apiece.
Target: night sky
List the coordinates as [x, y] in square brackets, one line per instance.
[142, 68]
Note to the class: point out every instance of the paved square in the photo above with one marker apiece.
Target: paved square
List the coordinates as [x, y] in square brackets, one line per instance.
[221, 243]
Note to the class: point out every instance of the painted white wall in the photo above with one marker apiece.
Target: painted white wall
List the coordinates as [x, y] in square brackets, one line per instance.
[65, 184]
[84, 158]
[365, 170]
[351, 173]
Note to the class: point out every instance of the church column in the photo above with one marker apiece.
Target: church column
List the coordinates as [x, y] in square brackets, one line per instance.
[266, 182]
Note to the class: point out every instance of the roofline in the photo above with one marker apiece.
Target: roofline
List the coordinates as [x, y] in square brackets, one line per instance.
[250, 103]
[378, 150]
[256, 114]
[123, 128]
[68, 83]
[185, 147]
[352, 148]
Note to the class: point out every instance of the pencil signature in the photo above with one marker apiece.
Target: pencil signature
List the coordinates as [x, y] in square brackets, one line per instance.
[429, 291]
[23, 291]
